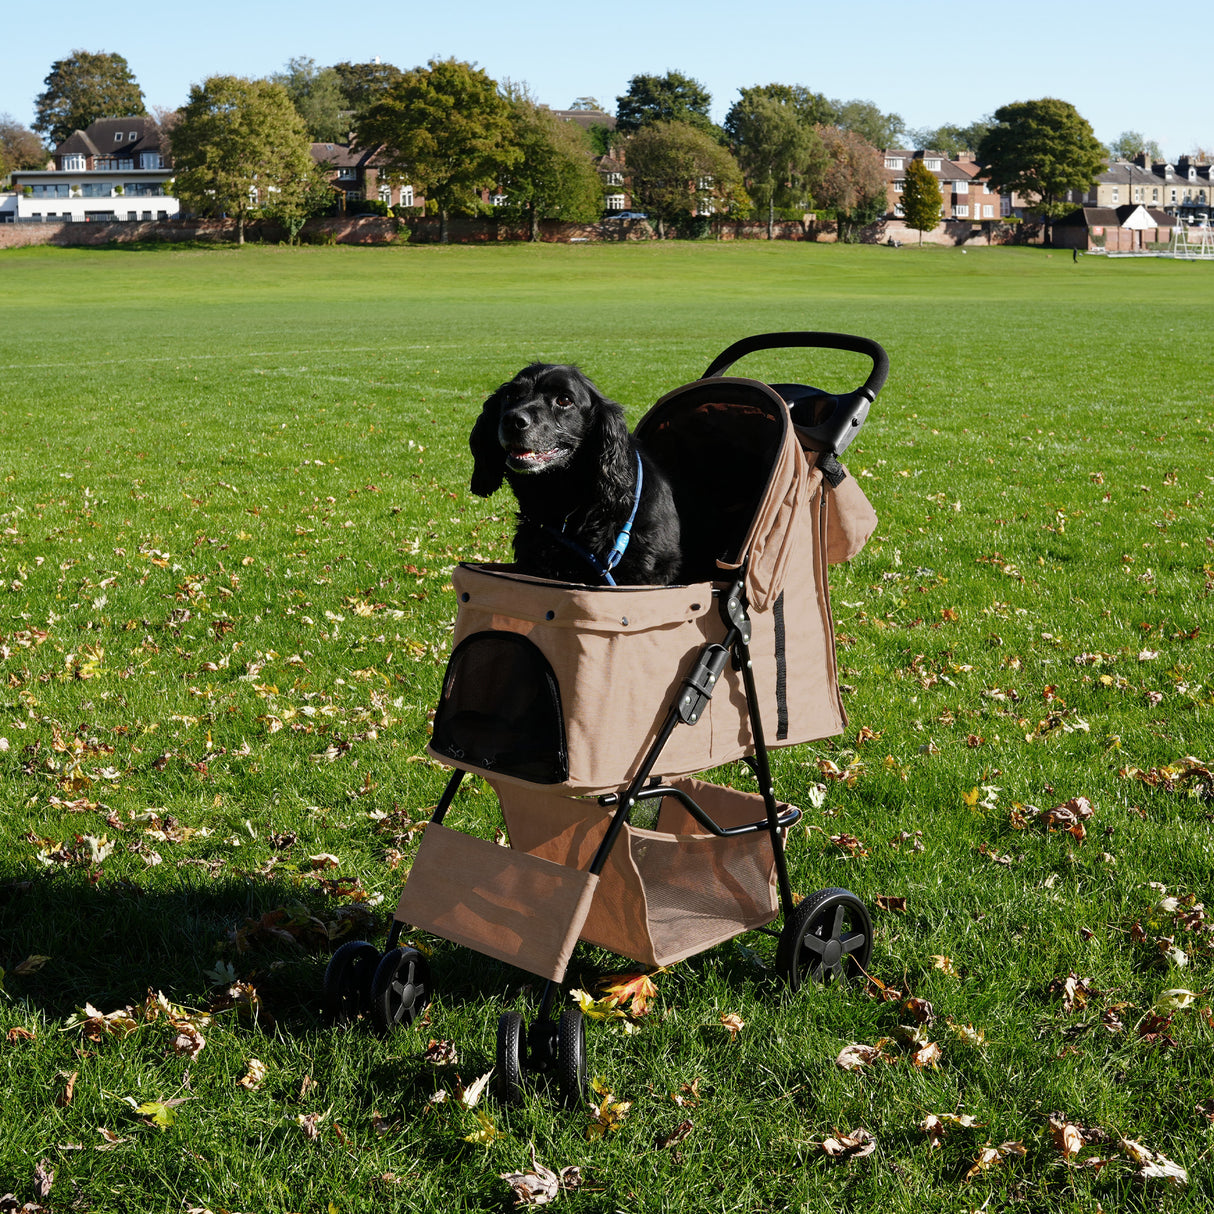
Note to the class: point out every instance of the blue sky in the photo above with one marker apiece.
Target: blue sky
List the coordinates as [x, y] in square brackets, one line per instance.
[930, 63]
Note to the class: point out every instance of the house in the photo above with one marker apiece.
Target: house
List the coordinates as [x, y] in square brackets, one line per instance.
[1128, 228]
[964, 195]
[115, 170]
[357, 175]
[1183, 189]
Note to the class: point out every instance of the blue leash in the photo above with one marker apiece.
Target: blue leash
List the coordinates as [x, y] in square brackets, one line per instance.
[603, 568]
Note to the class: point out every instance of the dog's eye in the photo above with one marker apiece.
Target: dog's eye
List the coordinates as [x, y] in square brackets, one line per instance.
[564, 401]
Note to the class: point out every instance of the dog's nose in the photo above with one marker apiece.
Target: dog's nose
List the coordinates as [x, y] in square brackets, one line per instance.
[514, 423]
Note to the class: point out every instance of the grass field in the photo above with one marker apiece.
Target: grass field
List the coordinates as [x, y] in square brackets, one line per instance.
[234, 483]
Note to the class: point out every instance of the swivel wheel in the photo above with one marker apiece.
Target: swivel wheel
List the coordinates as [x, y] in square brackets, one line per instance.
[347, 985]
[511, 1057]
[828, 937]
[400, 988]
[571, 1058]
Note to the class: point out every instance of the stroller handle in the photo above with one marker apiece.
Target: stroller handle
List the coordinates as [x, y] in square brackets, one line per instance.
[846, 413]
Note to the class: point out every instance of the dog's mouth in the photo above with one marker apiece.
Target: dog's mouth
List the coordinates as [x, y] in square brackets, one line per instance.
[524, 459]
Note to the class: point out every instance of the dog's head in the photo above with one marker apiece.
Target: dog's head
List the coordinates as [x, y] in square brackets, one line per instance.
[547, 417]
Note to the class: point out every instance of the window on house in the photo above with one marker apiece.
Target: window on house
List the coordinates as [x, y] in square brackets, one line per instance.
[385, 194]
[1116, 194]
[1154, 195]
[961, 187]
[961, 211]
[406, 196]
[988, 211]
[74, 164]
[894, 162]
[117, 136]
[132, 136]
[899, 213]
[900, 185]
[1173, 195]
[151, 160]
[615, 178]
[614, 202]
[933, 164]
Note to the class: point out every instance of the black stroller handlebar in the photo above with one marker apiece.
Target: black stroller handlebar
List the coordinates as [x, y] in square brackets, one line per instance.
[844, 414]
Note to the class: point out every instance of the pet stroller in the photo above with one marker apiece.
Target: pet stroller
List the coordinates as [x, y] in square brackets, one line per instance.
[589, 710]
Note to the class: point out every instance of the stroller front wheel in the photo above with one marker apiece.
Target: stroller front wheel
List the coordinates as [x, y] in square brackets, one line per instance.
[511, 1034]
[347, 983]
[400, 988]
[571, 1057]
[828, 936]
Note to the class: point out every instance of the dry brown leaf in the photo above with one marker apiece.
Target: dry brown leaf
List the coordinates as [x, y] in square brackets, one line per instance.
[855, 1145]
[945, 965]
[255, 1076]
[1067, 1137]
[631, 992]
[69, 1089]
[536, 1187]
[927, 1055]
[441, 1053]
[665, 1141]
[734, 1023]
[857, 1057]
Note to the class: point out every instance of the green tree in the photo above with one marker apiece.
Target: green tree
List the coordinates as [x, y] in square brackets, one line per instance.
[80, 89]
[1041, 149]
[318, 98]
[237, 144]
[20, 148]
[447, 129]
[853, 185]
[951, 140]
[670, 98]
[776, 149]
[1129, 144]
[921, 198]
[863, 118]
[553, 177]
[363, 83]
[680, 172]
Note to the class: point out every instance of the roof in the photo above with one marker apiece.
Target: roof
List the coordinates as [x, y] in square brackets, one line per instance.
[107, 136]
[587, 118]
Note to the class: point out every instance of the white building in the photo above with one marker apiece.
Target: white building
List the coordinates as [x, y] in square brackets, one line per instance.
[116, 170]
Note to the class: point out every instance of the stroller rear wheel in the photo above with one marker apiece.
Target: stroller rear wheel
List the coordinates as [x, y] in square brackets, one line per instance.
[828, 936]
[511, 1051]
[571, 1057]
[347, 985]
[400, 988]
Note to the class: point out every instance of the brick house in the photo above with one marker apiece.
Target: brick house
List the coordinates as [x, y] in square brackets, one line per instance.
[357, 175]
[117, 169]
[964, 195]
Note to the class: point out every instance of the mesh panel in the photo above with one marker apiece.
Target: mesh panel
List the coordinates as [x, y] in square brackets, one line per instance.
[500, 710]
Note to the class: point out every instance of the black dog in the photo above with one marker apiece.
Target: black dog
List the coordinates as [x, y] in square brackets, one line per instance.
[575, 472]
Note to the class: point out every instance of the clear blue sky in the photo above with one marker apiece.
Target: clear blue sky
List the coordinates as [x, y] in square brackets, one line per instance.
[930, 63]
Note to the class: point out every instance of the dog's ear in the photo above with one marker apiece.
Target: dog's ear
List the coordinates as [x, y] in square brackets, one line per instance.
[617, 474]
[488, 458]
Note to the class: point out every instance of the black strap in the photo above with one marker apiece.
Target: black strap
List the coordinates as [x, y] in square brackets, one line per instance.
[777, 615]
[834, 471]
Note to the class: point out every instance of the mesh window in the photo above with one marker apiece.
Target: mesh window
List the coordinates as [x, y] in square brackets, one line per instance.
[500, 710]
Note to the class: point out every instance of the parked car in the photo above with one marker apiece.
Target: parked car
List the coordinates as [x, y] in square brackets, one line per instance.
[625, 215]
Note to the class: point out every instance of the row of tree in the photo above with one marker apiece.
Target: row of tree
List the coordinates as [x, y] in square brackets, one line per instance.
[454, 133]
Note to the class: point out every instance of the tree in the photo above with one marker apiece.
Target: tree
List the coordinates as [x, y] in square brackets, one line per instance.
[239, 143]
[82, 88]
[951, 140]
[1129, 144]
[853, 185]
[363, 83]
[1042, 149]
[20, 148]
[863, 118]
[553, 177]
[680, 172]
[318, 98]
[670, 98]
[446, 128]
[776, 149]
[921, 198]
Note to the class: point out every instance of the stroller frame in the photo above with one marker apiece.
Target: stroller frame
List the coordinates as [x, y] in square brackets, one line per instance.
[825, 936]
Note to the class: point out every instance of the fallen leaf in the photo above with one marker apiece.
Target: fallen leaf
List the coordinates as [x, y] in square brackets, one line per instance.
[69, 1089]
[733, 1023]
[485, 1132]
[927, 1055]
[255, 1076]
[631, 992]
[945, 965]
[890, 902]
[470, 1095]
[1173, 999]
[608, 1112]
[43, 1179]
[440, 1053]
[31, 965]
[855, 1145]
[536, 1187]
[665, 1141]
[1067, 1137]
[857, 1057]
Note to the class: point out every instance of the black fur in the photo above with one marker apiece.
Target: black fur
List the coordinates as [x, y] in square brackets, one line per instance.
[566, 452]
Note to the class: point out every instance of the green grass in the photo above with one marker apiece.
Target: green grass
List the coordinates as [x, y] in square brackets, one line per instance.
[232, 486]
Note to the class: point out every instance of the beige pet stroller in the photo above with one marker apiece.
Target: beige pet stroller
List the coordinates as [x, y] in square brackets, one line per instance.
[589, 709]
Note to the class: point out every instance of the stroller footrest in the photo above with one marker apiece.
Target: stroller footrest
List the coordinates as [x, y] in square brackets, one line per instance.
[521, 909]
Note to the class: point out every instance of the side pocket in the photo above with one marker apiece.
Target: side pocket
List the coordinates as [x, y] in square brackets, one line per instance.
[500, 710]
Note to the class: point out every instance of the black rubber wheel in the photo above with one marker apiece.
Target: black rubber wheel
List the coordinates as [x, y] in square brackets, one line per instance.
[828, 936]
[511, 1060]
[571, 1057]
[400, 988]
[347, 988]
